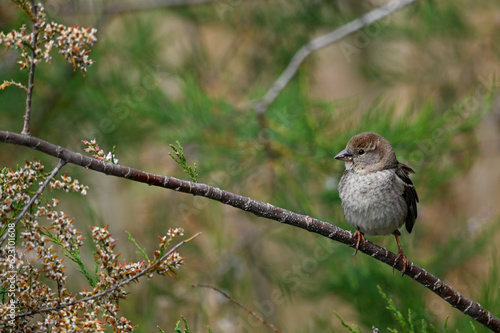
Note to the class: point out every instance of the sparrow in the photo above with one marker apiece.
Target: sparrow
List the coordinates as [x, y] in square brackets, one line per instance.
[377, 194]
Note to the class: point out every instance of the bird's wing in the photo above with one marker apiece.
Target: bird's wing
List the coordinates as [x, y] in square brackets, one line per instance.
[409, 194]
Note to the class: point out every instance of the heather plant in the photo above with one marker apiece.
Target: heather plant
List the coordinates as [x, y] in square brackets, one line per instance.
[33, 270]
[38, 237]
[73, 43]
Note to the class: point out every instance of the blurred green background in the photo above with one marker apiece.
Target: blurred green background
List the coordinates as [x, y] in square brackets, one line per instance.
[425, 78]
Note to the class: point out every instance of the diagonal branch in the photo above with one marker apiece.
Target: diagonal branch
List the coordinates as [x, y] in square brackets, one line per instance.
[320, 42]
[37, 194]
[268, 211]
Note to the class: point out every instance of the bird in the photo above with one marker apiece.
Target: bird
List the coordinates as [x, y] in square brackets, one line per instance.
[376, 191]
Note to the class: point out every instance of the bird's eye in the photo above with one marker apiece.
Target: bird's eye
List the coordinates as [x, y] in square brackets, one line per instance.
[361, 152]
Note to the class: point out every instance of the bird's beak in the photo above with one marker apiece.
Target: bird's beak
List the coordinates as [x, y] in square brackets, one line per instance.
[344, 155]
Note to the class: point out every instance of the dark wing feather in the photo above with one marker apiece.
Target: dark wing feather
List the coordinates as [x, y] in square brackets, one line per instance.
[410, 194]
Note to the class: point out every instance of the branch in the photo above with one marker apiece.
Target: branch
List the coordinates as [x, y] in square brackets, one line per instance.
[29, 95]
[37, 194]
[5, 84]
[266, 210]
[253, 314]
[107, 291]
[320, 42]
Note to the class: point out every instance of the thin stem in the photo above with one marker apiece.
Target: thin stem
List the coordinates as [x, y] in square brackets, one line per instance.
[322, 41]
[31, 79]
[37, 194]
[253, 314]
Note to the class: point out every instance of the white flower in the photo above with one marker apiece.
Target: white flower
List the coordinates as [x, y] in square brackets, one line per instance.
[111, 158]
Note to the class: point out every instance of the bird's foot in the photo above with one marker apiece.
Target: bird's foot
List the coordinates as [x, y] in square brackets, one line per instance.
[358, 235]
[400, 254]
[403, 258]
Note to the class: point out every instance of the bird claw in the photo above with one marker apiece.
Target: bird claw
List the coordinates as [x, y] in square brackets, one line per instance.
[405, 262]
[358, 235]
[400, 255]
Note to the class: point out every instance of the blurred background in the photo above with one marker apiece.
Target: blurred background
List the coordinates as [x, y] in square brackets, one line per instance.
[425, 77]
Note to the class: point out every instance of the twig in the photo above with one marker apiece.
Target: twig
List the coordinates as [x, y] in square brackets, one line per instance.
[107, 291]
[321, 42]
[5, 84]
[253, 314]
[268, 211]
[29, 95]
[42, 187]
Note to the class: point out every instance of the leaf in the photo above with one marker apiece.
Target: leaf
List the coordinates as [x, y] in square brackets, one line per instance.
[140, 251]
[179, 157]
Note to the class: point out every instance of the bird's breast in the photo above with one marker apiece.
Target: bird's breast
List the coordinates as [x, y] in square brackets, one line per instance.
[373, 202]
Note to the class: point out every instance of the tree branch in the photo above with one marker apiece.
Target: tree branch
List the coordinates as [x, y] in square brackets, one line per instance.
[266, 210]
[31, 79]
[320, 42]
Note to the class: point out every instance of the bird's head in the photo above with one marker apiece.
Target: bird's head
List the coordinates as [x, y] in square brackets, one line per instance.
[368, 152]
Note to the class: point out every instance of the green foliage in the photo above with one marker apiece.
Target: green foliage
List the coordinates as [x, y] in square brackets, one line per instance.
[179, 157]
[140, 250]
[73, 253]
[407, 324]
[445, 19]
[352, 329]
[177, 327]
